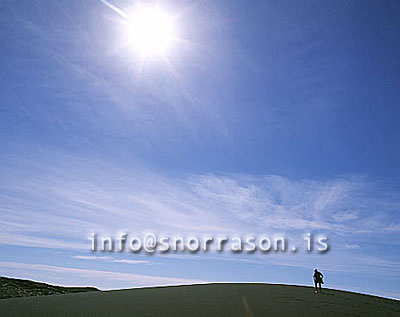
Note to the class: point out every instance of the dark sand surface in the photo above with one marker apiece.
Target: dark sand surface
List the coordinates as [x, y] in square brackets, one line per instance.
[204, 300]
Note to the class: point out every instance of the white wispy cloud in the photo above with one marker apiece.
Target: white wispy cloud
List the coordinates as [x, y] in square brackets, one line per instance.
[352, 246]
[134, 279]
[109, 259]
[61, 207]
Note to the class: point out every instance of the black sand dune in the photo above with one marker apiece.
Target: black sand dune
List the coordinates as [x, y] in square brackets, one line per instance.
[204, 300]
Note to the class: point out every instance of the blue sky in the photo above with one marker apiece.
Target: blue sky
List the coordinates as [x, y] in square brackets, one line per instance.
[270, 117]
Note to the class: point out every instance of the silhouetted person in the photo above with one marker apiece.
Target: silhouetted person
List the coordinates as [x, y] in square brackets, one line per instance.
[318, 280]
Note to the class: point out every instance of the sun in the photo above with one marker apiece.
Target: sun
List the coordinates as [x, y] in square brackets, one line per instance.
[148, 33]
[151, 31]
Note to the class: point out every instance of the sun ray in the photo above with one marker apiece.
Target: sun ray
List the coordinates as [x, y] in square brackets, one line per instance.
[116, 9]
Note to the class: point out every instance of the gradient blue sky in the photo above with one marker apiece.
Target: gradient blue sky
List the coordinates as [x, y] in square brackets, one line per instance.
[270, 117]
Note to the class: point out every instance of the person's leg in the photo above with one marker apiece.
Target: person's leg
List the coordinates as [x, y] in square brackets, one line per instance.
[316, 286]
[320, 287]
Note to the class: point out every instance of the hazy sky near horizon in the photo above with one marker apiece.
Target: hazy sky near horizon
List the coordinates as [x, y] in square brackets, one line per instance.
[265, 117]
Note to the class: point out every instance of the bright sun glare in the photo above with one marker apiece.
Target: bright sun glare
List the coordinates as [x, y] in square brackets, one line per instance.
[151, 31]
